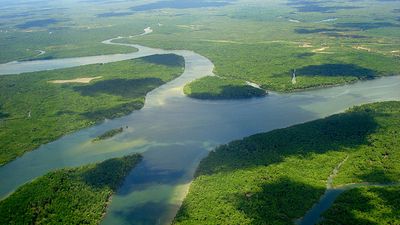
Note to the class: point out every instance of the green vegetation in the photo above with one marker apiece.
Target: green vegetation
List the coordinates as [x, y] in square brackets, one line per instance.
[364, 206]
[57, 44]
[67, 196]
[270, 65]
[278, 176]
[269, 177]
[221, 88]
[328, 42]
[109, 134]
[35, 111]
[263, 42]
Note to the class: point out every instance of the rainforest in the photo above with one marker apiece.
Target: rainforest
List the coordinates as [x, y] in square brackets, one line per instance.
[199, 112]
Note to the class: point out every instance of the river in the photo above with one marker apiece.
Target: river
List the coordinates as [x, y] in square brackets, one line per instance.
[174, 133]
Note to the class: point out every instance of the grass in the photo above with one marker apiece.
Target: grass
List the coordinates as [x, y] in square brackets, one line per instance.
[35, 111]
[278, 176]
[68, 196]
[220, 88]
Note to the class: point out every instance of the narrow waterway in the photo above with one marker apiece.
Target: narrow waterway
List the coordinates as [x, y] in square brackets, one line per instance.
[314, 215]
[174, 133]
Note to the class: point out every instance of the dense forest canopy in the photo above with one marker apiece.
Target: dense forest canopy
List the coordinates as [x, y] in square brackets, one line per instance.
[39, 107]
[68, 196]
[279, 175]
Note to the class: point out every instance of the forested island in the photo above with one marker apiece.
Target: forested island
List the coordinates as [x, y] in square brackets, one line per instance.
[108, 134]
[67, 196]
[279, 175]
[221, 88]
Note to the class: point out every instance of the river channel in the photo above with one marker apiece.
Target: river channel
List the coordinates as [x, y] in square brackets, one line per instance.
[174, 132]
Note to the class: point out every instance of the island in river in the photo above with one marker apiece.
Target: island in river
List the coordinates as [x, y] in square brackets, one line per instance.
[109, 134]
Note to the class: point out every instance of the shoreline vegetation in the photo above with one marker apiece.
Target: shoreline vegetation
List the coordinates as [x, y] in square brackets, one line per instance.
[365, 205]
[216, 88]
[68, 196]
[275, 176]
[213, 89]
[350, 48]
[108, 134]
[35, 111]
[279, 175]
[204, 89]
[271, 65]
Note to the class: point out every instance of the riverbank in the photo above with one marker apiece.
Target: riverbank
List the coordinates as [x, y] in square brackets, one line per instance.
[172, 139]
[113, 90]
[277, 176]
[212, 89]
[69, 196]
[347, 196]
[216, 88]
[333, 198]
[271, 65]
[369, 204]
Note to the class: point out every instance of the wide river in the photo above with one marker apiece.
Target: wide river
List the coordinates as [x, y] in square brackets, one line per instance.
[174, 133]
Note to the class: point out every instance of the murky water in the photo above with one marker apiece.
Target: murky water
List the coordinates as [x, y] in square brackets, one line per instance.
[174, 133]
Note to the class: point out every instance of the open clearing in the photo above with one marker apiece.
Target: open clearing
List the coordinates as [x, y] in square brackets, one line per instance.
[82, 80]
